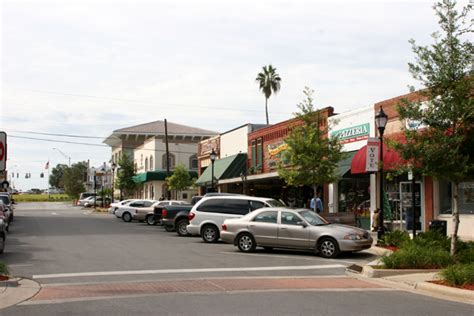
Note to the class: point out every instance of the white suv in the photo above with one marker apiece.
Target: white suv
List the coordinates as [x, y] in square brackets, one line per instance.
[207, 216]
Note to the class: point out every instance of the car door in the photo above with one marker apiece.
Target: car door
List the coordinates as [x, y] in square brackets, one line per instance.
[264, 228]
[290, 232]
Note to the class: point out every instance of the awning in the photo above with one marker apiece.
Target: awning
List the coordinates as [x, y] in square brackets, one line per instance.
[391, 159]
[345, 164]
[158, 175]
[225, 168]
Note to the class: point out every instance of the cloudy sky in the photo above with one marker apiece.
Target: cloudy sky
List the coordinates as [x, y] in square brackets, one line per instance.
[88, 67]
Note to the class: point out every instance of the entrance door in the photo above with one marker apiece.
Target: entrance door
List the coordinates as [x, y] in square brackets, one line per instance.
[406, 212]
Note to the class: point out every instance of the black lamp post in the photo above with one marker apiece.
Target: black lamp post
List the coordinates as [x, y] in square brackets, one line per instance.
[114, 165]
[213, 157]
[381, 120]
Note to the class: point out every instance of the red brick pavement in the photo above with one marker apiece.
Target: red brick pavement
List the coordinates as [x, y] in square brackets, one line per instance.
[56, 292]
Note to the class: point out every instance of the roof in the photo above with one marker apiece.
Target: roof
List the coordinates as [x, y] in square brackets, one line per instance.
[225, 168]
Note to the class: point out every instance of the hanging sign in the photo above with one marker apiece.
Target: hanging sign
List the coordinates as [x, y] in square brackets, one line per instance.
[372, 157]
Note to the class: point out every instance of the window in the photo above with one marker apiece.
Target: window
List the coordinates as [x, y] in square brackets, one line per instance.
[136, 204]
[254, 205]
[259, 152]
[171, 161]
[288, 218]
[466, 197]
[141, 160]
[193, 162]
[267, 217]
[146, 164]
[152, 166]
[254, 154]
[211, 206]
[147, 203]
[236, 206]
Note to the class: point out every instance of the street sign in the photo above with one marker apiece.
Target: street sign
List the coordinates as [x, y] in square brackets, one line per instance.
[372, 156]
[3, 151]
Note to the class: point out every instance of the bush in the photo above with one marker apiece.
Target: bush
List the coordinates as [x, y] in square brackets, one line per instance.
[4, 269]
[459, 274]
[414, 256]
[396, 238]
[465, 252]
[433, 239]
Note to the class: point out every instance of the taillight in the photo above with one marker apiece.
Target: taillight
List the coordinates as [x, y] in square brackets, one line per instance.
[224, 227]
[164, 212]
[191, 215]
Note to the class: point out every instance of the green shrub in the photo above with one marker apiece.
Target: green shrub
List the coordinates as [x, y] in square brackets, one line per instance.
[396, 238]
[413, 256]
[459, 274]
[465, 252]
[433, 239]
[4, 269]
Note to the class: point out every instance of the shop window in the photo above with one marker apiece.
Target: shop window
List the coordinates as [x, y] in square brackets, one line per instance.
[146, 164]
[193, 162]
[152, 166]
[171, 161]
[466, 197]
[254, 154]
[259, 152]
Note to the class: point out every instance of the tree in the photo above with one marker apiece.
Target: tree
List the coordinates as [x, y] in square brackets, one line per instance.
[311, 156]
[125, 173]
[180, 180]
[268, 82]
[442, 144]
[74, 179]
[56, 178]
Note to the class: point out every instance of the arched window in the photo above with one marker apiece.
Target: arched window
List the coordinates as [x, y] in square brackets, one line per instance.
[152, 166]
[146, 164]
[172, 161]
[141, 160]
[193, 162]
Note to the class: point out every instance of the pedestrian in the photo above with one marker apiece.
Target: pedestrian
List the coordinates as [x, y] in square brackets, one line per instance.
[318, 206]
[375, 220]
[162, 198]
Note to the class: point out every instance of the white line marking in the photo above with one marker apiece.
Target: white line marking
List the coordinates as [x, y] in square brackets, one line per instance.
[54, 213]
[276, 255]
[20, 265]
[164, 271]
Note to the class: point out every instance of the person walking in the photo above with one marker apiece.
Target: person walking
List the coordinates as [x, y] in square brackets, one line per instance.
[318, 206]
[375, 220]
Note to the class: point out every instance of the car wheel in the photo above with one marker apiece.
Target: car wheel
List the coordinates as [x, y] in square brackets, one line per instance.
[328, 248]
[150, 220]
[2, 244]
[127, 217]
[169, 229]
[181, 227]
[246, 242]
[210, 234]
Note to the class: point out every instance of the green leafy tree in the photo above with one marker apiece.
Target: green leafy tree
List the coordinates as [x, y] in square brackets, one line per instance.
[125, 173]
[56, 178]
[442, 144]
[311, 156]
[180, 180]
[74, 179]
[269, 82]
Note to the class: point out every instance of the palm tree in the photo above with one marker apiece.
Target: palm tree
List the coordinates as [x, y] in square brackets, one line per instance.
[268, 82]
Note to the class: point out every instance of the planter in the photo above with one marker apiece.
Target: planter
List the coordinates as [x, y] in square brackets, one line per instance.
[4, 277]
[376, 272]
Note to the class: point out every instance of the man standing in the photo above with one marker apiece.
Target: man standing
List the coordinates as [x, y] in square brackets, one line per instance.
[318, 206]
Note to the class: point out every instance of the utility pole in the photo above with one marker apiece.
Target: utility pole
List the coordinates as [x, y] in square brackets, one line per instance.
[168, 192]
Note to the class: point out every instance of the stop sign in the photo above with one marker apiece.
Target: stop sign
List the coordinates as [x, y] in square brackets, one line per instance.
[3, 151]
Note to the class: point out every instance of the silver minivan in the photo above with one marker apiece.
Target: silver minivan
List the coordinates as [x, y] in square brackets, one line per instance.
[207, 216]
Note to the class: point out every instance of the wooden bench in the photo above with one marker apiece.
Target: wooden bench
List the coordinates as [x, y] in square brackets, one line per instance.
[346, 218]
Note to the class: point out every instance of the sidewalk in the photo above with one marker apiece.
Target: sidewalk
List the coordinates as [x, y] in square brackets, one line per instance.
[17, 290]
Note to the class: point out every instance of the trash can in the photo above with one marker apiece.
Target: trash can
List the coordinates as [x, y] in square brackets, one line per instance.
[440, 226]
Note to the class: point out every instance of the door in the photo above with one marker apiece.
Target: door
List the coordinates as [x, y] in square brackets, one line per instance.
[406, 212]
[264, 228]
[290, 233]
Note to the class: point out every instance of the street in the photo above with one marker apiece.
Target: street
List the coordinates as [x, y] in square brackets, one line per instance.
[94, 263]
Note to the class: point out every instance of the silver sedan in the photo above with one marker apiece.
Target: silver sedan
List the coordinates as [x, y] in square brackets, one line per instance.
[293, 228]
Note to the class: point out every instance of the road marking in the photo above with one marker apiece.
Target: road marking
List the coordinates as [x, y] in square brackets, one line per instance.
[20, 265]
[164, 271]
[54, 213]
[276, 255]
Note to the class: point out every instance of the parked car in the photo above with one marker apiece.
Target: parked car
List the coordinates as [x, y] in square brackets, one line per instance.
[175, 217]
[85, 195]
[207, 216]
[9, 202]
[5, 212]
[82, 202]
[97, 201]
[153, 216]
[114, 206]
[126, 212]
[293, 228]
[3, 228]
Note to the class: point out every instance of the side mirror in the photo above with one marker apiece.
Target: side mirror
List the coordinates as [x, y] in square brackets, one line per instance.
[302, 223]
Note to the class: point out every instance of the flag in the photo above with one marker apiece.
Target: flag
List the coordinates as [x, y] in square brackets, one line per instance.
[47, 166]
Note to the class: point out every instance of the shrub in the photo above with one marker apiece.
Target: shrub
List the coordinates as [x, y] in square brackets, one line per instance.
[433, 239]
[465, 253]
[3, 269]
[396, 238]
[414, 256]
[459, 274]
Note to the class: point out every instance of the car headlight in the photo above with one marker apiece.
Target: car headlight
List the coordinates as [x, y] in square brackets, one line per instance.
[353, 237]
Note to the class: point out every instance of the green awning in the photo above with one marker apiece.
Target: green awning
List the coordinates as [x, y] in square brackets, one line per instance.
[158, 175]
[345, 164]
[225, 168]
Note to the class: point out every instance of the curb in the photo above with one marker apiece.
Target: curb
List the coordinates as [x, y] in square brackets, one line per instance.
[369, 272]
[446, 290]
[18, 290]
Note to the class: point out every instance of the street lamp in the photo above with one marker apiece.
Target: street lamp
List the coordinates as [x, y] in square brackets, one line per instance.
[114, 165]
[381, 121]
[65, 156]
[213, 157]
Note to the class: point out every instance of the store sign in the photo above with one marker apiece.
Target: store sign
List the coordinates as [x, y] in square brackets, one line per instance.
[208, 145]
[353, 134]
[274, 154]
[372, 157]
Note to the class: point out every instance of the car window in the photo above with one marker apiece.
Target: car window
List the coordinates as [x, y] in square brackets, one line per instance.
[136, 204]
[147, 203]
[267, 217]
[275, 203]
[288, 218]
[255, 205]
[5, 199]
[236, 206]
[211, 206]
[313, 218]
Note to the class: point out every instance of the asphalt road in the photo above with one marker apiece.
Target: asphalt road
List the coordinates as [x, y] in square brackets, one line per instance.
[96, 264]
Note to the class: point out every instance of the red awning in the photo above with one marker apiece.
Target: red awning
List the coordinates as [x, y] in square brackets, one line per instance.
[391, 159]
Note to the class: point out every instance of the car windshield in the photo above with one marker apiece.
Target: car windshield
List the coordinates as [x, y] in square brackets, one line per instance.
[275, 203]
[313, 218]
[5, 199]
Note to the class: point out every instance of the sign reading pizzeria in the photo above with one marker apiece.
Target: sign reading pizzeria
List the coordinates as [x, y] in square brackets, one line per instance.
[353, 134]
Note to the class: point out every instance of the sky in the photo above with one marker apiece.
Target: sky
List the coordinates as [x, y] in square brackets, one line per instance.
[86, 68]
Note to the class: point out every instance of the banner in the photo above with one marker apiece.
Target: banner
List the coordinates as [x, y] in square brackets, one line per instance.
[372, 157]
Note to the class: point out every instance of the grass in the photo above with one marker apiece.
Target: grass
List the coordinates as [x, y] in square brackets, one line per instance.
[41, 198]
[459, 274]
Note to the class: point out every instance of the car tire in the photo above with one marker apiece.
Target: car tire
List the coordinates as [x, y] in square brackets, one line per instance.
[169, 229]
[127, 217]
[2, 244]
[150, 220]
[181, 227]
[210, 234]
[328, 247]
[246, 242]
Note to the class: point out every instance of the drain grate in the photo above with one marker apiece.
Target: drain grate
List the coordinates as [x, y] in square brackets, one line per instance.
[354, 268]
